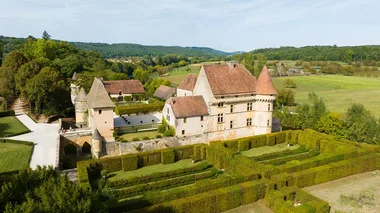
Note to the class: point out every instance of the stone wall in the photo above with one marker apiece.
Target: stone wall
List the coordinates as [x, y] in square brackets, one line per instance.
[116, 148]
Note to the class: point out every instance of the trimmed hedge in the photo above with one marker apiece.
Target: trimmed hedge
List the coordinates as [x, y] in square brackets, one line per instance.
[163, 183]
[299, 156]
[129, 162]
[243, 144]
[7, 113]
[139, 108]
[158, 175]
[167, 156]
[276, 138]
[258, 141]
[213, 201]
[199, 152]
[278, 154]
[112, 164]
[183, 152]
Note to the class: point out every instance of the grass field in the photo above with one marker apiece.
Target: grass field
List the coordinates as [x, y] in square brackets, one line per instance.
[268, 149]
[338, 92]
[10, 126]
[14, 156]
[140, 135]
[152, 169]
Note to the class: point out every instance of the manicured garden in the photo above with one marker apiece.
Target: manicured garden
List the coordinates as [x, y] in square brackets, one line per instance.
[14, 155]
[139, 136]
[11, 126]
[225, 178]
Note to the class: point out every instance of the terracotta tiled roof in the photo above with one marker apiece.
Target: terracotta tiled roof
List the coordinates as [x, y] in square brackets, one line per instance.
[98, 96]
[188, 83]
[188, 106]
[124, 86]
[264, 83]
[82, 95]
[225, 80]
[164, 92]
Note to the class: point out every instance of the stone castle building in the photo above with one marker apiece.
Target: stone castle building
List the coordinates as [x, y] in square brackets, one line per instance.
[225, 102]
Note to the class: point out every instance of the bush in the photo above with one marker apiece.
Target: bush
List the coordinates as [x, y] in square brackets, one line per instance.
[161, 128]
[139, 108]
[135, 139]
[129, 162]
[169, 132]
[167, 156]
[7, 113]
[158, 136]
[145, 138]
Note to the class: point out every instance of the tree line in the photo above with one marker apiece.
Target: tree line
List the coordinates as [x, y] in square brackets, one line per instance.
[322, 53]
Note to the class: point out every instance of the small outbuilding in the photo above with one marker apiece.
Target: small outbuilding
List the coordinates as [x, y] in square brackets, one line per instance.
[164, 92]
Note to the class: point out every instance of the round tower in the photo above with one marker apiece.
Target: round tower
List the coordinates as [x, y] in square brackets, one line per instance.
[96, 143]
[81, 108]
[74, 88]
[265, 96]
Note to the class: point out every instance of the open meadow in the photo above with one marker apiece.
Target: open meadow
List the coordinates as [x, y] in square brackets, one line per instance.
[338, 92]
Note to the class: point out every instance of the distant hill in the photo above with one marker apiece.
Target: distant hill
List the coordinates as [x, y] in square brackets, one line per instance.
[126, 50]
[322, 53]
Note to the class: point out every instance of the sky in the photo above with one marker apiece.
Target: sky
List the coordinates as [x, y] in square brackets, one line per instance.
[228, 25]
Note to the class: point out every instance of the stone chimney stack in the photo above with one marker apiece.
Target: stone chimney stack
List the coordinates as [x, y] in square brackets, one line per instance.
[231, 64]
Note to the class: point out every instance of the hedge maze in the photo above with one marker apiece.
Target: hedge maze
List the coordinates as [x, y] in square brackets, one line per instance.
[225, 179]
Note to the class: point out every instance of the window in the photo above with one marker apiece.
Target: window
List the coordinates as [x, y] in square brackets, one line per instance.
[201, 118]
[232, 124]
[184, 120]
[220, 118]
[249, 121]
[268, 107]
[168, 110]
[219, 127]
[183, 132]
[100, 111]
[268, 122]
[120, 93]
[249, 106]
[220, 104]
[232, 108]
[168, 117]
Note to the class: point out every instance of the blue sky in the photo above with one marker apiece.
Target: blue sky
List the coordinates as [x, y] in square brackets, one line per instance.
[228, 25]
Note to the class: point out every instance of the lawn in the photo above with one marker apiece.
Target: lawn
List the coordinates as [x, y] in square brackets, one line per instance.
[140, 135]
[152, 169]
[268, 149]
[10, 126]
[338, 92]
[14, 156]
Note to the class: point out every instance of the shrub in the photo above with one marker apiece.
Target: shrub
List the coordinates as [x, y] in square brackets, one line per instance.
[7, 113]
[167, 156]
[169, 132]
[161, 128]
[158, 136]
[129, 162]
[135, 139]
[145, 138]
[104, 173]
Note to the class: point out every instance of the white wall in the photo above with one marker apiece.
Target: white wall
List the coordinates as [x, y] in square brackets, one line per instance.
[103, 122]
[202, 87]
[263, 115]
[182, 92]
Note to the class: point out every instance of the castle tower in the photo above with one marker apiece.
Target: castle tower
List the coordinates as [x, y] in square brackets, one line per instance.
[81, 108]
[96, 143]
[74, 88]
[265, 96]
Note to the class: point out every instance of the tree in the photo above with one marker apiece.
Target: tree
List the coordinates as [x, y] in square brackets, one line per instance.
[27, 72]
[141, 75]
[289, 83]
[348, 55]
[286, 97]
[45, 35]
[309, 114]
[261, 61]
[332, 124]
[45, 190]
[248, 61]
[154, 84]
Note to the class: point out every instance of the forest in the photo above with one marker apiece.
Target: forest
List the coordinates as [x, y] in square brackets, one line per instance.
[322, 53]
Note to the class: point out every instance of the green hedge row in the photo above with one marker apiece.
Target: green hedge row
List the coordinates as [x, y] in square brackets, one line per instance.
[129, 162]
[213, 201]
[7, 113]
[184, 152]
[124, 192]
[199, 152]
[299, 156]
[26, 143]
[167, 156]
[139, 108]
[158, 175]
[283, 201]
[278, 154]
[336, 170]
[244, 144]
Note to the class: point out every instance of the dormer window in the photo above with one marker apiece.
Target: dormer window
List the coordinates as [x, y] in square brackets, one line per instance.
[120, 93]
[220, 104]
[100, 111]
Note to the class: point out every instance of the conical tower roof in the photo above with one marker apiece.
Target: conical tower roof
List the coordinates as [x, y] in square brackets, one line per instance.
[98, 96]
[96, 135]
[74, 78]
[81, 96]
[264, 84]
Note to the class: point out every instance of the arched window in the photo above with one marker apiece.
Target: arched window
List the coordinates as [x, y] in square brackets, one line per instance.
[86, 148]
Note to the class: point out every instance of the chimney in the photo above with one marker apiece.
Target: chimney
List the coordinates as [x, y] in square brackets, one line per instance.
[231, 64]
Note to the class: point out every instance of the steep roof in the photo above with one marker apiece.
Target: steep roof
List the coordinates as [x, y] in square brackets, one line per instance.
[225, 79]
[188, 106]
[74, 78]
[124, 86]
[98, 96]
[164, 92]
[188, 83]
[81, 95]
[264, 83]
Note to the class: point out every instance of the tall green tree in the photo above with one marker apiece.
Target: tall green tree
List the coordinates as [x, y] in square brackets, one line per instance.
[45, 35]
[142, 75]
[348, 55]
[261, 61]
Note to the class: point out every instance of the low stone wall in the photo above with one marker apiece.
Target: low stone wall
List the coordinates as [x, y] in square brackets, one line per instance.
[117, 148]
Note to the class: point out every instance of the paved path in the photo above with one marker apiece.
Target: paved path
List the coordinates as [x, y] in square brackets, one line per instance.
[44, 137]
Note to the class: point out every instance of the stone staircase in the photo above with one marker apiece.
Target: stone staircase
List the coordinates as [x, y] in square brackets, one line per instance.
[20, 106]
